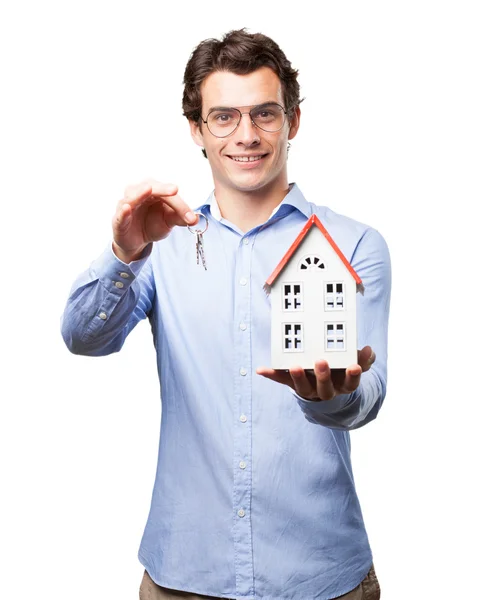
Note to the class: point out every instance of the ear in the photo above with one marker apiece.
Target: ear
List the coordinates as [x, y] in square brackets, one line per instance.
[294, 123]
[196, 133]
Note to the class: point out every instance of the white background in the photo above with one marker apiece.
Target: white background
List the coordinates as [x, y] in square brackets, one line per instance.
[90, 102]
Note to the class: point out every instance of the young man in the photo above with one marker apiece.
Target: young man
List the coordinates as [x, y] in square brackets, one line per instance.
[254, 495]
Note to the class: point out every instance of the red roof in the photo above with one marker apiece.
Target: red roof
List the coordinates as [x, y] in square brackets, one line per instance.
[313, 219]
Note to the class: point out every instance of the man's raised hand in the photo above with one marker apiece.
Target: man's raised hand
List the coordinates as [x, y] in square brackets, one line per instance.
[147, 213]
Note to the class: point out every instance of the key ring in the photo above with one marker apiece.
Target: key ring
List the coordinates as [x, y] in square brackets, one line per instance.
[198, 231]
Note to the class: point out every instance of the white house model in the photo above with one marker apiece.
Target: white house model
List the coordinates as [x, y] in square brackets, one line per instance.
[313, 303]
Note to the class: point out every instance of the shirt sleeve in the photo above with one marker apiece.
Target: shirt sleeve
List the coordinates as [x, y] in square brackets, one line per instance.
[106, 302]
[371, 261]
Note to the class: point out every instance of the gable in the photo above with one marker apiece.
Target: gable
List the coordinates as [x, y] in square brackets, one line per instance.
[309, 241]
[313, 258]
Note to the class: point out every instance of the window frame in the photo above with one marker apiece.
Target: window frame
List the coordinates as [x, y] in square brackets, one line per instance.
[292, 336]
[293, 296]
[335, 336]
[334, 294]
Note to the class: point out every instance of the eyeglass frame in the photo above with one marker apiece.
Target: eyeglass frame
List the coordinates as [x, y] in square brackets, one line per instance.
[251, 107]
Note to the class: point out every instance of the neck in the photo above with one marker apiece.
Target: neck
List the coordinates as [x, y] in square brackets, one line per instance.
[249, 209]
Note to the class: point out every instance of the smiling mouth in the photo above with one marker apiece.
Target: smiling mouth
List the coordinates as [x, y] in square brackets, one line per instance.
[249, 159]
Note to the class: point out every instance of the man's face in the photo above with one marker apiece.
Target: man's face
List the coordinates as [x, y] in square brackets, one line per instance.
[226, 89]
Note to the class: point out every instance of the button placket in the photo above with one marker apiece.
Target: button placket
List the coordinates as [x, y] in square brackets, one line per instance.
[242, 478]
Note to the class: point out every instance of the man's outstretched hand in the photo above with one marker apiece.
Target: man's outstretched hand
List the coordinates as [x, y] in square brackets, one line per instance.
[147, 213]
[324, 383]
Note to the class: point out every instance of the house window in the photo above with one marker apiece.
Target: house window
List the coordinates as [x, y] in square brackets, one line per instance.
[292, 337]
[334, 296]
[311, 263]
[335, 336]
[292, 296]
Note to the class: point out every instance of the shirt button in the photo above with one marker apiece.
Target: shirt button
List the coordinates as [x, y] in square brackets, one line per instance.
[243, 326]
[245, 241]
[242, 465]
[243, 281]
[241, 513]
[118, 284]
[102, 315]
[243, 371]
[243, 418]
[124, 275]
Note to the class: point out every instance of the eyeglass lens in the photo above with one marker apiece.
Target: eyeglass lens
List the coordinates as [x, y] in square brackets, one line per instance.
[268, 117]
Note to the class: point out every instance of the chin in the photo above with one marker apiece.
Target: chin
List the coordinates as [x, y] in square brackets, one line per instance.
[252, 187]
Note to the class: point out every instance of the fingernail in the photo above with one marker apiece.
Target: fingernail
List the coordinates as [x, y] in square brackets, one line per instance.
[190, 217]
[372, 358]
[322, 368]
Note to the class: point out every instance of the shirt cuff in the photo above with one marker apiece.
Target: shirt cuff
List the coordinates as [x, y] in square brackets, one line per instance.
[136, 265]
[324, 407]
[115, 275]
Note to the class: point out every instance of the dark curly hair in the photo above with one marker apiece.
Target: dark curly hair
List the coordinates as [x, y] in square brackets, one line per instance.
[241, 53]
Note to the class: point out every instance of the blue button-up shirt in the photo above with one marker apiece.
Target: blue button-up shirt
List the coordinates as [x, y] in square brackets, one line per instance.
[254, 494]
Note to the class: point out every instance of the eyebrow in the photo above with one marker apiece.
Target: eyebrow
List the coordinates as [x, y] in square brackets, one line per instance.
[248, 106]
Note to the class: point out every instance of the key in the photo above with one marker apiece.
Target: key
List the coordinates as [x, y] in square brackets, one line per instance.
[200, 249]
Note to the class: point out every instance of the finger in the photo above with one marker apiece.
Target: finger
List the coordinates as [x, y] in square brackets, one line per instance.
[366, 358]
[122, 218]
[170, 216]
[302, 385]
[352, 379]
[324, 384]
[134, 195]
[276, 375]
[175, 202]
[141, 194]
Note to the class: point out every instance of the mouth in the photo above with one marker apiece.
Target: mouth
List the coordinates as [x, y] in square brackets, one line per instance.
[247, 158]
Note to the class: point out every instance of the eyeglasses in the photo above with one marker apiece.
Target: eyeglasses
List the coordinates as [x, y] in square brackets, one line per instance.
[223, 121]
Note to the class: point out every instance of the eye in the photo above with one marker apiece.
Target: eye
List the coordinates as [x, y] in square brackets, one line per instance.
[266, 114]
[222, 118]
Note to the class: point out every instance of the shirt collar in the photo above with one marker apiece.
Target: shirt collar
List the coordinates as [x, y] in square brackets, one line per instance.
[293, 198]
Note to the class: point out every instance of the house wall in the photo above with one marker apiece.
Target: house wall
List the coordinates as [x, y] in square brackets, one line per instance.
[313, 314]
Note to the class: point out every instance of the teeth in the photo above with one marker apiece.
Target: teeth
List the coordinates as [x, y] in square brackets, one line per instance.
[246, 158]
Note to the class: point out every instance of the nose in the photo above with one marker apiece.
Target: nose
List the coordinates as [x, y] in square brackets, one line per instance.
[247, 132]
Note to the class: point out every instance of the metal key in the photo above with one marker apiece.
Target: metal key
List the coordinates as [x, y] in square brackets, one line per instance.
[200, 249]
